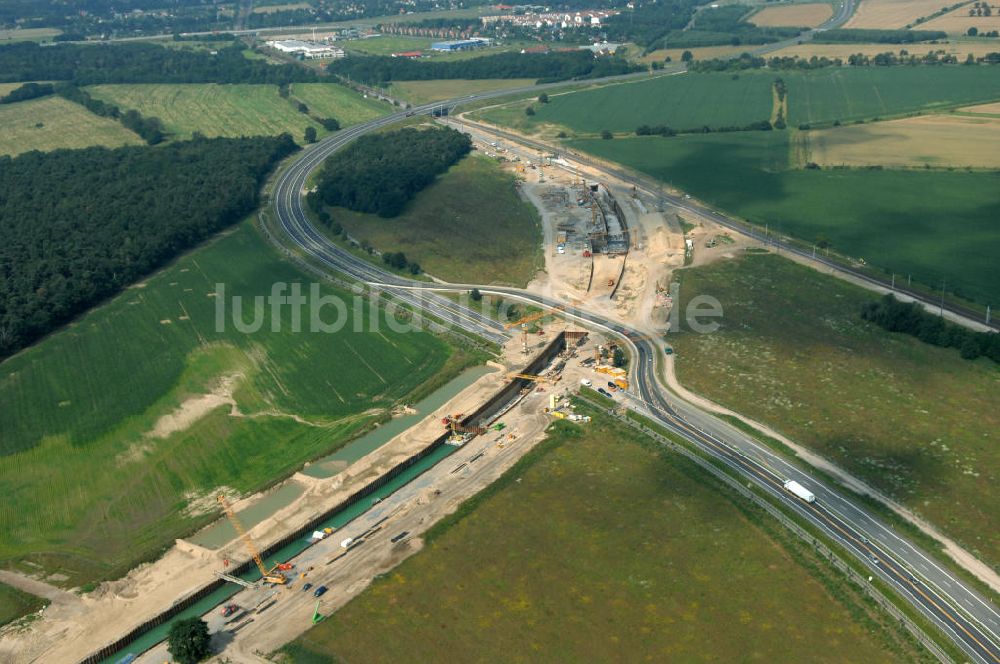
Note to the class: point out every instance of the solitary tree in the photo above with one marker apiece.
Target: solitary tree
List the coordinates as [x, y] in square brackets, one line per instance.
[543, 98]
[310, 134]
[188, 641]
[529, 111]
[606, 135]
[973, 31]
[687, 56]
[619, 358]
[476, 295]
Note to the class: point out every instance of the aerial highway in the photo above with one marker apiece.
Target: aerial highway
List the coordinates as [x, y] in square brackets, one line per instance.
[949, 602]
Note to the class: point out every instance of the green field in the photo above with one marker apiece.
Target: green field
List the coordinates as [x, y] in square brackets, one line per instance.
[52, 123]
[683, 101]
[599, 548]
[471, 226]
[844, 94]
[103, 446]
[916, 421]
[16, 604]
[933, 225]
[239, 110]
[331, 100]
[692, 100]
[389, 44]
[421, 92]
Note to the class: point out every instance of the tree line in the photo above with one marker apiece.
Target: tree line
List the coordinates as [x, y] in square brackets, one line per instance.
[80, 225]
[886, 59]
[557, 66]
[381, 173]
[26, 92]
[85, 64]
[911, 318]
[866, 36]
[149, 129]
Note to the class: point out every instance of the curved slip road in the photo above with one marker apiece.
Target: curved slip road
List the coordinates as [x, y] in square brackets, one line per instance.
[959, 610]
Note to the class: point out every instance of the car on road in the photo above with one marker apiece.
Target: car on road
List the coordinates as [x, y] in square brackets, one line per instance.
[612, 386]
[307, 586]
[319, 591]
[605, 392]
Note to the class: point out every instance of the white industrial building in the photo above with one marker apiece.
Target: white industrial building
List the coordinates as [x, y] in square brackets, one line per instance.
[308, 50]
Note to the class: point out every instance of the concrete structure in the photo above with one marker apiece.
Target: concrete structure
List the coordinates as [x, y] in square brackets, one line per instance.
[308, 50]
[461, 45]
[602, 48]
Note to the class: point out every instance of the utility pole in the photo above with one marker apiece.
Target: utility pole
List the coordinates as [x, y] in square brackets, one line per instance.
[943, 283]
[893, 287]
[987, 314]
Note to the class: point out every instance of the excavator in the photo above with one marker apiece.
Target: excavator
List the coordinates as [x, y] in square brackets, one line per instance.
[275, 576]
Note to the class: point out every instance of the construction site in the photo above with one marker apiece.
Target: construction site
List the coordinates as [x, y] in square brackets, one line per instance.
[273, 578]
[282, 559]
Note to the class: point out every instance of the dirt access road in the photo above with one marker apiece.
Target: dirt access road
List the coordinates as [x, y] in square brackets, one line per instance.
[403, 516]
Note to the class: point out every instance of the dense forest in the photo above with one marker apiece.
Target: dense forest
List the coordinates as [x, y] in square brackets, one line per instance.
[140, 63]
[556, 66]
[79, 225]
[380, 173]
[911, 318]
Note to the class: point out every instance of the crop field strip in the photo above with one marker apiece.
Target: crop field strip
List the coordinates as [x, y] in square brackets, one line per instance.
[958, 48]
[890, 14]
[240, 110]
[665, 602]
[957, 22]
[938, 140]
[908, 418]
[890, 218]
[805, 15]
[421, 92]
[845, 94]
[684, 101]
[115, 424]
[53, 123]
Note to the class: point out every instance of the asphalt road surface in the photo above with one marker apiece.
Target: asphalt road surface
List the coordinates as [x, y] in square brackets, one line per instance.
[957, 608]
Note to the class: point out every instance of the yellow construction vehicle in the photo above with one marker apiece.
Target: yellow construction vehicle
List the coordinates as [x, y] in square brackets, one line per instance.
[273, 576]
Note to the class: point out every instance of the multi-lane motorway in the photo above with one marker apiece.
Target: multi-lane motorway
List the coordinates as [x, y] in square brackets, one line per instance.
[958, 609]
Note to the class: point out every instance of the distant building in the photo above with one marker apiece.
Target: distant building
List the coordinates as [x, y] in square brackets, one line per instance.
[461, 45]
[602, 48]
[413, 55]
[308, 50]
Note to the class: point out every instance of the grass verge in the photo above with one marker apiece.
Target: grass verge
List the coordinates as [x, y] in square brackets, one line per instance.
[628, 562]
[911, 420]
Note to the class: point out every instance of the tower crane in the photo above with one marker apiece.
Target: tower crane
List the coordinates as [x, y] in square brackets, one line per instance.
[523, 322]
[273, 576]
